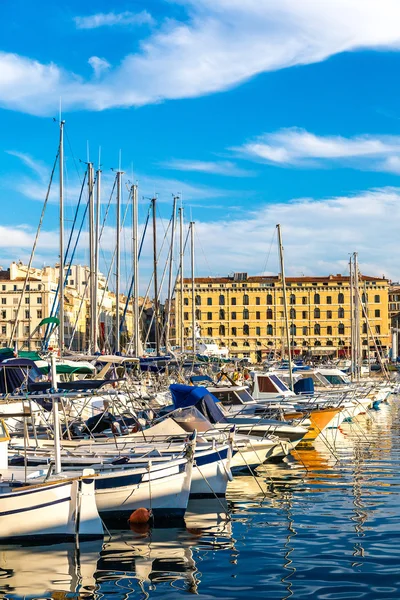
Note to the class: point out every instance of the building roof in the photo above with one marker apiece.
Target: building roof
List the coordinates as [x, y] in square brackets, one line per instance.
[277, 278]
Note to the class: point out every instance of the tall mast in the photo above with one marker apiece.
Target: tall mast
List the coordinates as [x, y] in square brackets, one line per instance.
[96, 261]
[171, 262]
[366, 323]
[91, 257]
[136, 327]
[117, 263]
[157, 331]
[281, 258]
[357, 317]
[181, 251]
[193, 292]
[352, 343]
[61, 267]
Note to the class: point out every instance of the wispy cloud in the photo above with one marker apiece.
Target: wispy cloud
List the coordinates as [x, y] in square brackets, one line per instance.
[318, 235]
[108, 19]
[33, 164]
[34, 185]
[99, 65]
[217, 45]
[227, 168]
[298, 147]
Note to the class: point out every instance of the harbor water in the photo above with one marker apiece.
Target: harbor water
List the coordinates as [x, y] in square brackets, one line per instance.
[323, 525]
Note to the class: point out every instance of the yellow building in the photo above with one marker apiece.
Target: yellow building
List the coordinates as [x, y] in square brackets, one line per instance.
[246, 314]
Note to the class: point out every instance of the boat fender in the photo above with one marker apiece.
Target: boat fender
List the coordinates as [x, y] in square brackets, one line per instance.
[140, 516]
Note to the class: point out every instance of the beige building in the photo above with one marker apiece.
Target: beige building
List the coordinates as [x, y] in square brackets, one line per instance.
[246, 314]
[36, 304]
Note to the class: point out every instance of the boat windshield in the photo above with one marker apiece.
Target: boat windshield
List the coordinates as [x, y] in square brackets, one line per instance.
[244, 396]
[227, 397]
[337, 379]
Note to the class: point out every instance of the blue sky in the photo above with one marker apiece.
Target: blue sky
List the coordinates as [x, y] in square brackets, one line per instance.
[257, 112]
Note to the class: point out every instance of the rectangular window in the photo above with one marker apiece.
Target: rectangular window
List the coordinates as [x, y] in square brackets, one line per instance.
[258, 330]
[304, 314]
[258, 301]
[233, 301]
[304, 300]
[258, 315]
[233, 315]
[27, 315]
[26, 300]
[234, 331]
[186, 316]
[377, 328]
[329, 299]
[209, 301]
[329, 314]
[39, 314]
[39, 299]
[71, 282]
[209, 316]
[4, 314]
[4, 300]
[15, 301]
[3, 287]
[377, 313]
[4, 329]
[305, 330]
[26, 330]
[209, 331]
[14, 288]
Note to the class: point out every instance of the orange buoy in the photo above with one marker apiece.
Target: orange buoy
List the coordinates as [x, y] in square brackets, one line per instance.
[140, 516]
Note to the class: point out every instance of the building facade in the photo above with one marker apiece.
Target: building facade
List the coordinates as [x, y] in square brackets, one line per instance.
[21, 312]
[246, 314]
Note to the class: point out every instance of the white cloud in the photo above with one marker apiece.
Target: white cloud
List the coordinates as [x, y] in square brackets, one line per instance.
[298, 147]
[318, 236]
[226, 167]
[109, 19]
[221, 44]
[99, 65]
[35, 187]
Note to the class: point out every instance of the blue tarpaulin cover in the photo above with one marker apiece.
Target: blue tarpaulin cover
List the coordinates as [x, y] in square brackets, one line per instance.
[189, 395]
[304, 386]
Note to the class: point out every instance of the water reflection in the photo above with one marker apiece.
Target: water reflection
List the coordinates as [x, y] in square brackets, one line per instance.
[324, 524]
[57, 569]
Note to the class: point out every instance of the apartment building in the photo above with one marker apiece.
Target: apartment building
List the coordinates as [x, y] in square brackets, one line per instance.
[246, 314]
[37, 303]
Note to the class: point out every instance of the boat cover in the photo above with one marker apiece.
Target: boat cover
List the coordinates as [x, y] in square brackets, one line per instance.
[189, 395]
[304, 386]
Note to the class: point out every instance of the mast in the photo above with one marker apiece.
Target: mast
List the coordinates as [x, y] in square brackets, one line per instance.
[357, 317]
[96, 261]
[118, 263]
[351, 319]
[91, 347]
[157, 332]
[281, 258]
[171, 261]
[181, 252]
[193, 294]
[61, 267]
[136, 327]
[366, 323]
